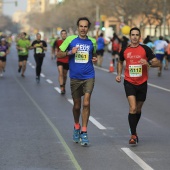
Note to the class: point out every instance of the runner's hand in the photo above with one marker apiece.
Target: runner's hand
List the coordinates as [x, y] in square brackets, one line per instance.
[94, 59]
[74, 49]
[143, 62]
[118, 79]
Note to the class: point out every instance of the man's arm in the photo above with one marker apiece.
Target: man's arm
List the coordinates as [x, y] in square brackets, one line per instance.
[94, 59]
[119, 71]
[61, 54]
[154, 63]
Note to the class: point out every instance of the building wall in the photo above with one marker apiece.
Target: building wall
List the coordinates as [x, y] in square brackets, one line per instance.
[37, 5]
[1, 7]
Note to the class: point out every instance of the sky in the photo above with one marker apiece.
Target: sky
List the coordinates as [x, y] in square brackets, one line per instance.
[10, 8]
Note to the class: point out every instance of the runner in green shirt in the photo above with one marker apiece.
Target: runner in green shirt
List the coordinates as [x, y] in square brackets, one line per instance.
[23, 46]
[52, 40]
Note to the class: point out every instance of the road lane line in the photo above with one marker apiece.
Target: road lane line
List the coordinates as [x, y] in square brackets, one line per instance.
[92, 119]
[149, 84]
[58, 134]
[96, 123]
[42, 75]
[49, 81]
[57, 89]
[137, 159]
[158, 87]
[33, 66]
[71, 101]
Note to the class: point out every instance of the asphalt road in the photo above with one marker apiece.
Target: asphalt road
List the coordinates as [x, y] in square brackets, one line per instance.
[36, 122]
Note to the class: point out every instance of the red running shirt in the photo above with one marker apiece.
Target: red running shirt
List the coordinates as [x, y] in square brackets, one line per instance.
[57, 45]
[136, 73]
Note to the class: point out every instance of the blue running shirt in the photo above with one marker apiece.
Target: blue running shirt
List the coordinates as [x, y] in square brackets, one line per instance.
[80, 63]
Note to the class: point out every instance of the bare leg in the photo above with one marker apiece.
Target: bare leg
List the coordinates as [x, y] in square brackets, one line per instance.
[24, 63]
[86, 109]
[76, 109]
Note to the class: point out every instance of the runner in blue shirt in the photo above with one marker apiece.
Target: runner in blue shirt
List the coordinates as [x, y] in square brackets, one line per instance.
[81, 50]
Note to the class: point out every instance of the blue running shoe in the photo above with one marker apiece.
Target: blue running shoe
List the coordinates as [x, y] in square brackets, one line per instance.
[84, 139]
[76, 135]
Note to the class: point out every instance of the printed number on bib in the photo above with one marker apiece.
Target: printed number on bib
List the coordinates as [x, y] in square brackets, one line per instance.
[81, 57]
[23, 50]
[135, 70]
[2, 54]
[38, 50]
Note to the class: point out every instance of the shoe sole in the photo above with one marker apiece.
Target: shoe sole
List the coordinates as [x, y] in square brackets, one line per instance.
[75, 141]
[133, 143]
[84, 144]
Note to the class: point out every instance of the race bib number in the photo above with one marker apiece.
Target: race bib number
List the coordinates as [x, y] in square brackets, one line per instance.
[81, 57]
[135, 70]
[39, 50]
[23, 50]
[2, 54]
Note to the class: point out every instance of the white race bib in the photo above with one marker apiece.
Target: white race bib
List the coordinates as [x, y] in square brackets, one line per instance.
[81, 57]
[2, 54]
[23, 50]
[38, 50]
[135, 70]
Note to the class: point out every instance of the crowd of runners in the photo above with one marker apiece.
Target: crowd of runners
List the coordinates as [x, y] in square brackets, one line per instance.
[79, 53]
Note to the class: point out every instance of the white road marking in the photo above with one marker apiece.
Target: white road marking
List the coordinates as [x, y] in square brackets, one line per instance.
[49, 81]
[70, 101]
[57, 89]
[158, 87]
[137, 159]
[33, 66]
[42, 75]
[96, 123]
[92, 119]
[149, 84]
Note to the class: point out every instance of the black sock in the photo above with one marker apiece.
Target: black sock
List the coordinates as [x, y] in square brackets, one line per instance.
[138, 115]
[132, 123]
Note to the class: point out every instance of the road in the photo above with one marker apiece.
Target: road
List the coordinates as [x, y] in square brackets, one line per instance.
[36, 122]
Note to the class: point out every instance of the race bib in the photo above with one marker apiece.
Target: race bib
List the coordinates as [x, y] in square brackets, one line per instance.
[81, 57]
[39, 50]
[135, 70]
[2, 54]
[23, 50]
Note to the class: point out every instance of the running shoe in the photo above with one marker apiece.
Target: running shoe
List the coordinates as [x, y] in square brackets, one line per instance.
[19, 69]
[76, 135]
[37, 79]
[135, 135]
[63, 92]
[133, 140]
[84, 139]
[22, 75]
[165, 68]
[159, 74]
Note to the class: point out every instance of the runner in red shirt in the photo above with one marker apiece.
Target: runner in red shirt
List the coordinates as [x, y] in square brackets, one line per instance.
[62, 63]
[138, 57]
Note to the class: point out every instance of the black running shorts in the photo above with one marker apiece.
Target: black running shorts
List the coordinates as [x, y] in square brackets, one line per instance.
[22, 58]
[100, 52]
[139, 91]
[65, 65]
[3, 59]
